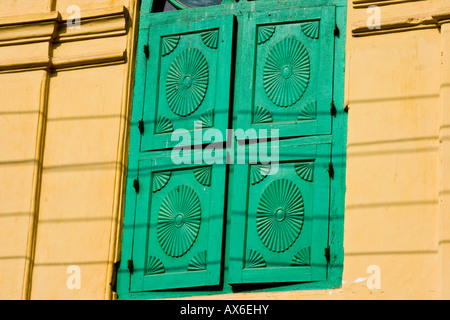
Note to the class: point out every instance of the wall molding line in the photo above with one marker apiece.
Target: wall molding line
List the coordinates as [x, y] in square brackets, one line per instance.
[357, 4]
[403, 24]
[36, 35]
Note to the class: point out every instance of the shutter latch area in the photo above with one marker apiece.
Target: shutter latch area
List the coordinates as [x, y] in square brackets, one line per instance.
[331, 170]
[130, 266]
[136, 185]
[141, 126]
[327, 254]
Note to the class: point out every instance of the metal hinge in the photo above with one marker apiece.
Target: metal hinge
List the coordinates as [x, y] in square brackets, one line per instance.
[333, 109]
[327, 254]
[337, 32]
[331, 170]
[130, 266]
[136, 185]
[141, 126]
[147, 51]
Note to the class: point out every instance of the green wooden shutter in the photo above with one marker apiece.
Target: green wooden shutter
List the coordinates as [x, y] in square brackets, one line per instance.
[188, 79]
[178, 225]
[279, 223]
[279, 226]
[285, 71]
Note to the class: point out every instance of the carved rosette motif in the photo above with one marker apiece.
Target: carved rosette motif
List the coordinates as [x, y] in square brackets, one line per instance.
[163, 125]
[206, 120]
[154, 266]
[211, 38]
[286, 72]
[169, 44]
[302, 258]
[203, 176]
[198, 262]
[305, 170]
[280, 214]
[160, 179]
[187, 82]
[179, 221]
[308, 112]
[255, 260]
[311, 29]
[262, 115]
[259, 172]
[265, 33]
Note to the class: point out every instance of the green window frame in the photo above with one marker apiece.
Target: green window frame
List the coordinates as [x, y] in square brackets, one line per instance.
[204, 228]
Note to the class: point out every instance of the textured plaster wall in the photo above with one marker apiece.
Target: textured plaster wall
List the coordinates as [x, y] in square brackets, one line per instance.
[63, 145]
[63, 127]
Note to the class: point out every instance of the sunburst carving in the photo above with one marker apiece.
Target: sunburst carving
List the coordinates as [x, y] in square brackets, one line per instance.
[262, 115]
[169, 44]
[305, 170]
[265, 33]
[160, 179]
[255, 260]
[211, 38]
[302, 258]
[187, 82]
[206, 120]
[163, 125]
[154, 266]
[280, 214]
[258, 172]
[286, 72]
[179, 221]
[308, 112]
[198, 262]
[203, 175]
[311, 29]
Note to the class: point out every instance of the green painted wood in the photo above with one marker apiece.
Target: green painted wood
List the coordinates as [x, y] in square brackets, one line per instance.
[288, 71]
[337, 139]
[281, 215]
[178, 225]
[187, 80]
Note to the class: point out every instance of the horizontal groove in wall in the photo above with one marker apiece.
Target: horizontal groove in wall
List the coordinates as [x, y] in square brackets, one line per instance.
[357, 4]
[53, 28]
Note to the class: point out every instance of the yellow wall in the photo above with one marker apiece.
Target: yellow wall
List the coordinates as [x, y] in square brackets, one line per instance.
[64, 113]
[63, 125]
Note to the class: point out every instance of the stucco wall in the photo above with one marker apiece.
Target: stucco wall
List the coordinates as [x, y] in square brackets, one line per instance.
[64, 119]
[64, 122]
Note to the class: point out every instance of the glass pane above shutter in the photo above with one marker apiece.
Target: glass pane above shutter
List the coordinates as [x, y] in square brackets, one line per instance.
[184, 4]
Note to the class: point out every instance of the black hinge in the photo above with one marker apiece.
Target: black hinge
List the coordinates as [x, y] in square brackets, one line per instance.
[147, 51]
[141, 126]
[331, 170]
[114, 277]
[337, 32]
[130, 266]
[327, 254]
[136, 185]
[333, 109]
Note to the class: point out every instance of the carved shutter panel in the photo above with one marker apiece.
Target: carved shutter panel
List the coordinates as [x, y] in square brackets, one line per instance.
[178, 225]
[285, 70]
[279, 228]
[188, 79]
